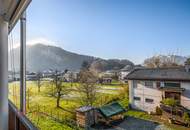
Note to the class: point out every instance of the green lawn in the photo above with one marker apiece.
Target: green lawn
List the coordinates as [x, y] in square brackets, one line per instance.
[138, 114]
[42, 110]
[42, 102]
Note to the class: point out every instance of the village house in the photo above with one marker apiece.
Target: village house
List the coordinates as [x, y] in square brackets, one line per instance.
[31, 76]
[126, 70]
[148, 87]
[70, 76]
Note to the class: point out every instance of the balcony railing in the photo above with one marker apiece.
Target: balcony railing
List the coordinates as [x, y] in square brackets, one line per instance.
[18, 121]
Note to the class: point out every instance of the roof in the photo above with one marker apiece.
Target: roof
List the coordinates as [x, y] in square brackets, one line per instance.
[163, 74]
[127, 68]
[85, 108]
[11, 10]
[111, 109]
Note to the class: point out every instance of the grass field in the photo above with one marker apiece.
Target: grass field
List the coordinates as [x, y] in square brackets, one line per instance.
[41, 106]
[42, 110]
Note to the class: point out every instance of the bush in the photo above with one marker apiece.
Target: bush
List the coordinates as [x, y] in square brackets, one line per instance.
[170, 102]
[186, 118]
[158, 111]
[138, 114]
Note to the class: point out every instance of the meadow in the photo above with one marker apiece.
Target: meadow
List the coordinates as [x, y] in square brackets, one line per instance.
[41, 106]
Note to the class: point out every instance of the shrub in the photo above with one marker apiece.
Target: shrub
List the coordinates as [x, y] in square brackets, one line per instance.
[158, 111]
[170, 102]
[186, 118]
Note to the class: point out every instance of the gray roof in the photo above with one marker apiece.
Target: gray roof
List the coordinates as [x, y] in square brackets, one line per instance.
[84, 108]
[163, 74]
[127, 68]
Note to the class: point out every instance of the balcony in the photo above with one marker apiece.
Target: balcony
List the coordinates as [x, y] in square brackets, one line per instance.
[18, 121]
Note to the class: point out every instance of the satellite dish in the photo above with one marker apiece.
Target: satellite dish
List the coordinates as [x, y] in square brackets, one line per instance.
[11, 10]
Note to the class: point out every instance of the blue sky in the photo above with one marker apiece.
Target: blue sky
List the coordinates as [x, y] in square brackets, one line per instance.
[131, 29]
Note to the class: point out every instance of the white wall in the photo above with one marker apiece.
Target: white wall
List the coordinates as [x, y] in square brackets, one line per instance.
[185, 97]
[145, 92]
[153, 93]
[123, 74]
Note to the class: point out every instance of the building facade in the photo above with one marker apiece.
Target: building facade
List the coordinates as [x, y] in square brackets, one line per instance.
[148, 87]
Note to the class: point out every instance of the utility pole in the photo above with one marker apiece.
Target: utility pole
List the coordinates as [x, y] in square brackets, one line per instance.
[23, 63]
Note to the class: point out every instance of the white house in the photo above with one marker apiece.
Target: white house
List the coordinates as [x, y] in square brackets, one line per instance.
[124, 72]
[71, 76]
[148, 87]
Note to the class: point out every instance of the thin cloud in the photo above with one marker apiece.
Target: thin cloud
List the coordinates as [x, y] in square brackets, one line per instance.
[36, 41]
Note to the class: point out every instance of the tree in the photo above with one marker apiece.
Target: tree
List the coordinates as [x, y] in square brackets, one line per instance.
[187, 62]
[153, 62]
[71, 78]
[87, 87]
[29, 94]
[39, 80]
[85, 65]
[60, 88]
[161, 61]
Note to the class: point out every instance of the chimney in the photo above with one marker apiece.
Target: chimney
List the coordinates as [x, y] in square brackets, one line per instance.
[187, 68]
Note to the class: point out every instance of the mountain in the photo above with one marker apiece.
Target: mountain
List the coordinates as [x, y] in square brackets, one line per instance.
[42, 57]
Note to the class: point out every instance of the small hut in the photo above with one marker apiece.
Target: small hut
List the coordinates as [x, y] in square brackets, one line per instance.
[111, 112]
[86, 116]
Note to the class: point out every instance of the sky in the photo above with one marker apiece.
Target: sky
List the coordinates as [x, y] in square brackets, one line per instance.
[124, 29]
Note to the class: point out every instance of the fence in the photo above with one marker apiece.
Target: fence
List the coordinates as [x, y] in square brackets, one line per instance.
[62, 116]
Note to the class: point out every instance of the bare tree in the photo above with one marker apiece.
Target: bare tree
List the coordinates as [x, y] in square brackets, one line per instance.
[29, 94]
[71, 78]
[187, 62]
[87, 87]
[153, 62]
[60, 88]
[161, 62]
[39, 80]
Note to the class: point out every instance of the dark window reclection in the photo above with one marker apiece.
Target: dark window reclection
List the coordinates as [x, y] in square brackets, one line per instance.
[137, 98]
[148, 100]
[168, 84]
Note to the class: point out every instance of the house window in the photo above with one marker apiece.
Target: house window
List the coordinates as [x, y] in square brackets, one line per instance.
[148, 100]
[137, 98]
[162, 84]
[149, 84]
[170, 84]
[159, 84]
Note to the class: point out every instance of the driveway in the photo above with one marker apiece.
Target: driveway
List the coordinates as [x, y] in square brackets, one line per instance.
[131, 123]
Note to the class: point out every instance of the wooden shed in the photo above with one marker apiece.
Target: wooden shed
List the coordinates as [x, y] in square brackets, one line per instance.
[86, 116]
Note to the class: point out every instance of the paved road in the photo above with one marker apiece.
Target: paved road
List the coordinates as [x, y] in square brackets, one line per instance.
[132, 124]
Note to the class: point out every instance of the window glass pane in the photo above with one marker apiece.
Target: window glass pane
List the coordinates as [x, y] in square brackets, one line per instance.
[137, 98]
[169, 84]
[148, 100]
[14, 65]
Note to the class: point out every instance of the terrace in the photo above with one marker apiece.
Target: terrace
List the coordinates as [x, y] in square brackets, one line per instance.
[10, 117]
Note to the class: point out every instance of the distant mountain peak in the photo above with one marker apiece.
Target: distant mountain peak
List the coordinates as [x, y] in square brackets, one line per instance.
[42, 57]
